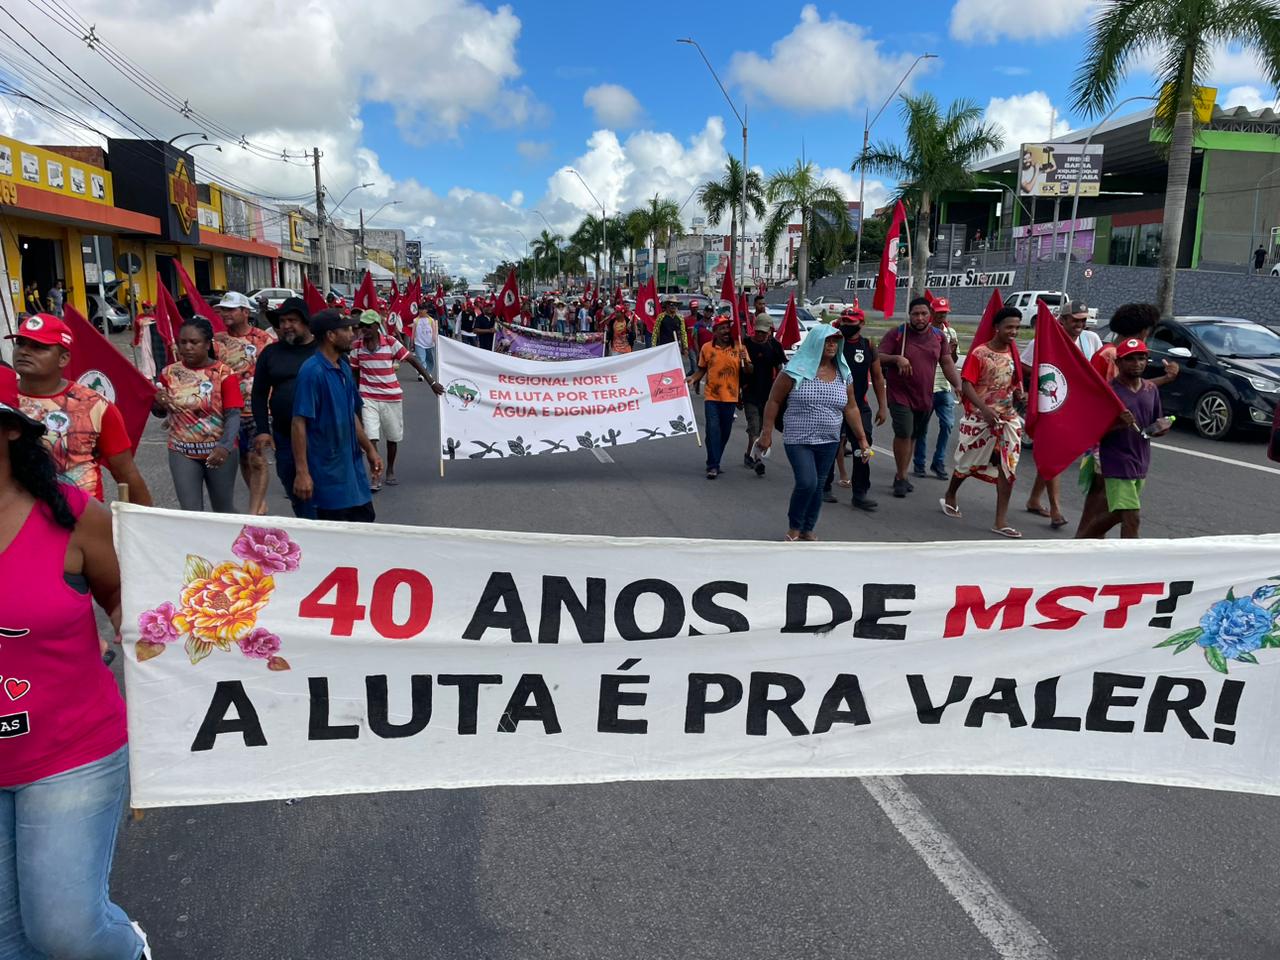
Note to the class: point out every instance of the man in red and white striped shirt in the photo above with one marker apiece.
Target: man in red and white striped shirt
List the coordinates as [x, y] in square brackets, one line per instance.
[374, 362]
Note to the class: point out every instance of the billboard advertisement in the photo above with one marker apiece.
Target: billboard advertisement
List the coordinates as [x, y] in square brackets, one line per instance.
[1052, 169]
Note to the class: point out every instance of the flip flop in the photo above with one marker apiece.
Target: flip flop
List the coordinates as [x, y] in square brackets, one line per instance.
[392, 481]
[789, 538]
[845, 483]
[1009, 532]
[952, 512]
[1059, 523]
[1039, 511]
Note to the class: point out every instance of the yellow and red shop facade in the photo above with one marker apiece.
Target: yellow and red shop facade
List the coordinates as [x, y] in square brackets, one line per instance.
[59, 221]
[199, 224]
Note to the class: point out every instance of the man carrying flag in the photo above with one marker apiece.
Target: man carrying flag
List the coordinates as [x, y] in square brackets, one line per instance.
[83, 429]
[991, 430]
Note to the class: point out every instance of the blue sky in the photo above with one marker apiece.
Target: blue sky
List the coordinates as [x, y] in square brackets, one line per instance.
[469, 112]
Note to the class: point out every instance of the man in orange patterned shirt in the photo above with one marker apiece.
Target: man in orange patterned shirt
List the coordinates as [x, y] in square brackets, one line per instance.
[239, 349]
[83, 429]
[723, 363]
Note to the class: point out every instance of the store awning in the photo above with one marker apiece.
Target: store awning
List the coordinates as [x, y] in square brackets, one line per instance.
[376, 270]
[89, 216]
[229, 243]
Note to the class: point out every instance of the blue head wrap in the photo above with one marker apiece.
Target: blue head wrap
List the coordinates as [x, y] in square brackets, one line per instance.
[804, 363]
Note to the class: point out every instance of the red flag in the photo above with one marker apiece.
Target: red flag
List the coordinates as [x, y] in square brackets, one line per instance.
[887, 280]
[618, 298]
[1070, 406]
[366, 297]
[789, 334]
[729, 293]
[98, 365]
[439, 291]
[764, 288]
[395, 290]
[198, 305]
[314, 300]
[745, 317]
[509, 299]
[647, 303]
[168, 320]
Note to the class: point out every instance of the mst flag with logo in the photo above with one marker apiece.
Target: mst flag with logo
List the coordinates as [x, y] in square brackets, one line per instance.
[96, 363]
[1070, 406]
[647, 304]
[887, 281]
[503, 407]
[508, 306]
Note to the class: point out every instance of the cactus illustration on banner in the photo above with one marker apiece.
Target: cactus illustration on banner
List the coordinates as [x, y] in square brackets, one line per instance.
[1234, 628]
[219, 604]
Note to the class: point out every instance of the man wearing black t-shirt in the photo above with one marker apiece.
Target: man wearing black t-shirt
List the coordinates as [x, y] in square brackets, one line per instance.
[767, 358]
[864, 364]
[274, 380]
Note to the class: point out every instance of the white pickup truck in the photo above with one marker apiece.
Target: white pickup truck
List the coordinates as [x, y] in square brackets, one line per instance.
[1025, 300]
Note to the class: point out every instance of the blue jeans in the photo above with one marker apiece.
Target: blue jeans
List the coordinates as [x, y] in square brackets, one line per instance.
[57, 836]
[810, 463]
[944, 406]
[427, 355]
[287, 471]
[719, 417]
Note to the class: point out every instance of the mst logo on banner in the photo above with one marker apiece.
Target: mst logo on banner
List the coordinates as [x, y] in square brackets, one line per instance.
[319, 658]
[499, 406]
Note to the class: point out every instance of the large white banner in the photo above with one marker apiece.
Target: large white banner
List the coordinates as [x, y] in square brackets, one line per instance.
[323, 658]
[498, 406]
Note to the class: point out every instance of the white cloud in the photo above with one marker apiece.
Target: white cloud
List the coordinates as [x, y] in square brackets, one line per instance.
[517, 198]
[1025, 118]
[1013, 71]
[1234, 64]
[821, 64]
[989, 20]
[626, 173]
[613, 106]
[1250, 97]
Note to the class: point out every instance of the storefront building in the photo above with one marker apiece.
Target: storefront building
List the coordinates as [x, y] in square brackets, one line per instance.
[58, 221]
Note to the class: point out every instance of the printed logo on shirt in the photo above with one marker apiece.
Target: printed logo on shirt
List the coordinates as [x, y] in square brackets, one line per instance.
[15, 725]
[205, 388]
[858, 356]
[57, 422]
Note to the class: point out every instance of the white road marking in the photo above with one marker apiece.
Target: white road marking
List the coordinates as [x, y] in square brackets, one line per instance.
[1213, 456]
[602, 455]
[1012, 935]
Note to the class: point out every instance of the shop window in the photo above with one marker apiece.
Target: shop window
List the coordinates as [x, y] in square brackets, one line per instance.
[203, 277]
[1122, 244]
[1148, 252]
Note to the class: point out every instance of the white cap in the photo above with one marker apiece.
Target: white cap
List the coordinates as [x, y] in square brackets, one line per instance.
[233, 300]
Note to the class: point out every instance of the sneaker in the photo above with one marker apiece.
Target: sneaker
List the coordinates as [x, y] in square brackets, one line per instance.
[759, 468]
[142, 935]
[747, 461]
[941, 473]
[919, 472]
[864, 503]
[829, 497]
[900, 488]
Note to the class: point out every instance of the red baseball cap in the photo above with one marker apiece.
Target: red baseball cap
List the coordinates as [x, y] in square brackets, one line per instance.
[853, 313]
[44, 328]
[1132, 345]
[940, 305]
[9, 399]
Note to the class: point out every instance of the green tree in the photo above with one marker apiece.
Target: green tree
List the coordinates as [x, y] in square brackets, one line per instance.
[546, 250]
[657, 221]
[588, 238]
[725, 194]
[824, 216]
[939, 150]
[637, 231]
[1180, 35]
[618, 242]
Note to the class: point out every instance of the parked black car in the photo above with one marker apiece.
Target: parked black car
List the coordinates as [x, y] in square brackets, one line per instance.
[1230, 375]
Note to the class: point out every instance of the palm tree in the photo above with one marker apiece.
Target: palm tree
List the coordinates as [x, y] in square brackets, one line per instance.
[546, 249]
[656, 221]
[717, 196]
[823, 212]
[589, 239]
[939, 151]
[636, 226]
[1180, 36]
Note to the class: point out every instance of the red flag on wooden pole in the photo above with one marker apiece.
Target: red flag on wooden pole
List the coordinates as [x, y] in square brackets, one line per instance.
[98, 365]
[789, 333]
[887, 280]
[312, 296]
[198, 305]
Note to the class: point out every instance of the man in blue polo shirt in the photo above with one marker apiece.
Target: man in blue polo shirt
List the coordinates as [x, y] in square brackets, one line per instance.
[327, 436]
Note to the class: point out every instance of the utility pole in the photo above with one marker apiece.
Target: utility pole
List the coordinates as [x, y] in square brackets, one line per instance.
[363, 256]
[320, 228]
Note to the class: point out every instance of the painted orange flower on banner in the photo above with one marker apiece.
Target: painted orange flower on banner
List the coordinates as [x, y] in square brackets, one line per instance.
[219, 605]
[224, 606]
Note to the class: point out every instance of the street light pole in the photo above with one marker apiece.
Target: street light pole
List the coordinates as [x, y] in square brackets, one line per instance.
[604, 224]
[745, 169]
[526, 251]
[1075, 200]
[868, 123]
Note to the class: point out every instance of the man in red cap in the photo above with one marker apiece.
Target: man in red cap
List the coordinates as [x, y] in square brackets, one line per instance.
[944, 398]
[83, 429]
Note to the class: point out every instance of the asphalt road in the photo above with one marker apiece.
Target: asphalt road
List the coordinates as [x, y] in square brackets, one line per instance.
[954, 867]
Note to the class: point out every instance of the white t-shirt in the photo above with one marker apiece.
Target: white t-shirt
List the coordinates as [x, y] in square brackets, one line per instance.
[1088, 342]
[424, 332]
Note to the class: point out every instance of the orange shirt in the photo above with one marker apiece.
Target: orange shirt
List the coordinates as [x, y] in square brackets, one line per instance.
[723, 365]
[240, 353]
[202, 398]
[82, 428]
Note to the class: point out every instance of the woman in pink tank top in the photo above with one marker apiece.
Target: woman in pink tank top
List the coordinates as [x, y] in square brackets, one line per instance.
[63, 753]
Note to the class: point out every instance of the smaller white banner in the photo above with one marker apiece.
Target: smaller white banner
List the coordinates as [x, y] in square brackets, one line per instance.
[499, 406]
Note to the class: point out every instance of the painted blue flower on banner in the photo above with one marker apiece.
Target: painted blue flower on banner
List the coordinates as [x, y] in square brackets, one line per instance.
[1232, 629]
